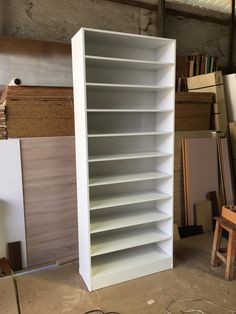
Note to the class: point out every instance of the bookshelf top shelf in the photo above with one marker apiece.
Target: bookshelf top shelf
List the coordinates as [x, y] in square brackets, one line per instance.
[125, 39]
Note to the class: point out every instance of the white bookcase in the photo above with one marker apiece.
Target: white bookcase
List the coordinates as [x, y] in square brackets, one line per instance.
[124, 87]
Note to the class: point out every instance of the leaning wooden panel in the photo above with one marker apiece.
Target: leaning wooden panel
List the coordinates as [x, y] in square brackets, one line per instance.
[50, 198]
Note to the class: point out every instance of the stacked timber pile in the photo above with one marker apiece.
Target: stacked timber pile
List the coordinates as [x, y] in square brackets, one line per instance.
[33, 111]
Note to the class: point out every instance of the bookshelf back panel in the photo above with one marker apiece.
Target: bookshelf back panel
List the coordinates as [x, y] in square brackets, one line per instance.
[161, 77]
[129, 144]
[113, 99]
[129, 47]
[128, 122]
[107, 191]
[120, 167]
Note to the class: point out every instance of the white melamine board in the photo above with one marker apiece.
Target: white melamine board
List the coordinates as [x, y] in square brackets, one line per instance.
[80, 114]
[125, 63]
[124, 121]
[127, 178]
[127, 156]
[12, 223]
[129, 110]
[125, 239]
[124, 219]
[121, 266]
[134, 87]
[126, 199]
[128, 134]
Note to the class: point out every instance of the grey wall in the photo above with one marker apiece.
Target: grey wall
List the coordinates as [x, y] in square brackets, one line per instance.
[58, 20]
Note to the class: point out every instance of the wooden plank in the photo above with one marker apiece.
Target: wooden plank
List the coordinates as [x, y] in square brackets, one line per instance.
[12, 224]
[204, 215]
[40, 109]
[212, 83]
[14, 255]
[39, 127]
[201, 171]
[48, 166]
[197, 97]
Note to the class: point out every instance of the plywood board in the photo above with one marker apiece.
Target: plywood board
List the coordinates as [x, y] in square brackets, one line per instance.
[48, 166]
[204, 215]
[201, 171]
[12, 224]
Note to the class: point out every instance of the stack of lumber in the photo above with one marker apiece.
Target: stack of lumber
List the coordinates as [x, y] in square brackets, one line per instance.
[33, 111]
[193, 111]
[3, 121]
[212, 83]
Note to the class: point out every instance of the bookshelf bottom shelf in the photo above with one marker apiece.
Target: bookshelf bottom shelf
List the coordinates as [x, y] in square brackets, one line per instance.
[110, 269]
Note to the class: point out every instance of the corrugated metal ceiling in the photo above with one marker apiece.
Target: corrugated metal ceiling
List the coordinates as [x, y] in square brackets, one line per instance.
[223, 6]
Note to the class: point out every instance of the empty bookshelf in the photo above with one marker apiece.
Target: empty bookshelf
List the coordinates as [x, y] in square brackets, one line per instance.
[124, 87]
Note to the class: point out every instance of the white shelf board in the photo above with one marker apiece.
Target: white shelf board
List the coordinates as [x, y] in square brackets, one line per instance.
[125, 219]
[128, 86]
[127, 199]
[125, 239]
[130, 110]
[129, 134]
[128, 156]
[134, 177]
[125, 63]
[121, 266]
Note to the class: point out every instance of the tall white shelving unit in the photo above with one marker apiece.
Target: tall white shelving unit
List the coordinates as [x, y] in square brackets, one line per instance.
[124, 87]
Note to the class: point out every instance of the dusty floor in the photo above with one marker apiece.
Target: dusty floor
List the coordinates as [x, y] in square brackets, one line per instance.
[61, 290]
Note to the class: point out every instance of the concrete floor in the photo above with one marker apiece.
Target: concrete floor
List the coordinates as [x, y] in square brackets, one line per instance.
[62, 291]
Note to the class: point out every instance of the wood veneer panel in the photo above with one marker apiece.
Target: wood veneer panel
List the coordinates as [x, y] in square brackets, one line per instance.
[50, 198]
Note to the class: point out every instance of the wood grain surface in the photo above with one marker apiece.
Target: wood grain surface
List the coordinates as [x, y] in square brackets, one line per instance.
[48, 166]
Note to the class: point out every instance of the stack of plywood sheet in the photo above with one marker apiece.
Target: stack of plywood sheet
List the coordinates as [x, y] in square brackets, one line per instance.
[193, 111]
[33, 111]
[212, 83]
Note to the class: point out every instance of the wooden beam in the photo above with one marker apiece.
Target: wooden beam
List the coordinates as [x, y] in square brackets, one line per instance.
[231, 37]
[161, 18]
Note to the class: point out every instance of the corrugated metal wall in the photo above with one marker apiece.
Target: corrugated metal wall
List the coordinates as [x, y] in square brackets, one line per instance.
[223, 6]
